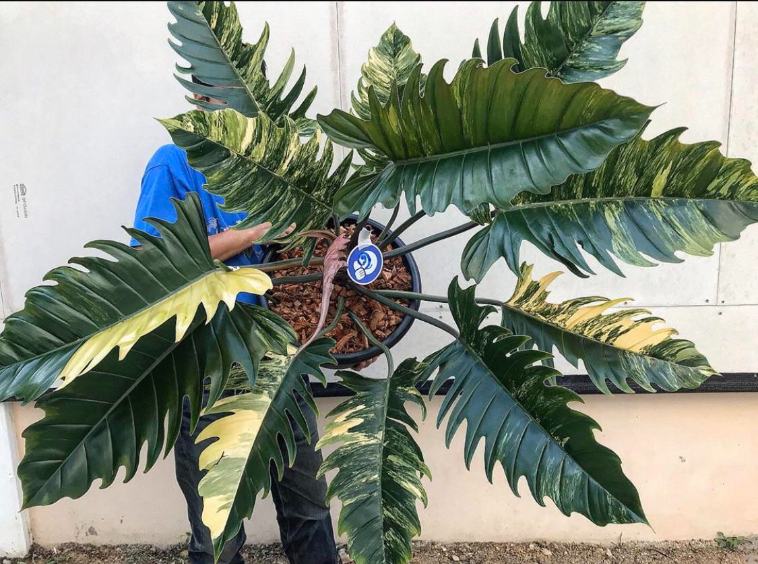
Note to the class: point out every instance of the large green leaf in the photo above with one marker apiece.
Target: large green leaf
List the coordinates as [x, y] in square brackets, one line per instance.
[483, 138]
[379, 465]
[391, 62]
[614, 346]
[650, 198]
[209, 38]
[261, 168]
[66, 328]
[103, 420]
[526, 424]
[247, 437]
[576, 42]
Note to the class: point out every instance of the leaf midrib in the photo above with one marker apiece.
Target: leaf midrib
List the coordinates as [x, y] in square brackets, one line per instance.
[226, 57]
[253, 444]
[497, 381]
[385, 408]
[584, 38]
[513, 142]
[263, 168]
[539, 319]
[615, 199]
[148, 371]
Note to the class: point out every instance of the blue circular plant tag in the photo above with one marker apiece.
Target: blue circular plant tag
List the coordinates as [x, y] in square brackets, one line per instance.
[364, 264]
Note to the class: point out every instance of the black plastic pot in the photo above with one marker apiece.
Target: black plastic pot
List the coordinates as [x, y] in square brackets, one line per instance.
[348, 360]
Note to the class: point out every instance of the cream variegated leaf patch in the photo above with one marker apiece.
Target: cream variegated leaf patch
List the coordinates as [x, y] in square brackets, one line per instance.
[649, 201]
[389, 65]
[379, 465]
[209, 290]
[615, 345]
[245, 440]
[126, 412]
[262, 168]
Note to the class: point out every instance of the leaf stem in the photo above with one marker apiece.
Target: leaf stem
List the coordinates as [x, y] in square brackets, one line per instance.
[296, 279]
[280, 264]
[403, 309]
[401, 229]
[389, 224]
[402, 294]
[431, 239]
[374, 341]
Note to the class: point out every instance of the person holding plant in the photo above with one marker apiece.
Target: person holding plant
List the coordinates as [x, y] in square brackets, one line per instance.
[304, 521]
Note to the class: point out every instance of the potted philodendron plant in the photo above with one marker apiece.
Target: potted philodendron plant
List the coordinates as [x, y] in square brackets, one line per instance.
[521, 140]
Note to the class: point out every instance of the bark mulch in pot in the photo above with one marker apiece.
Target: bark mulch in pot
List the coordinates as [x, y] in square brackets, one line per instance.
[299, 304]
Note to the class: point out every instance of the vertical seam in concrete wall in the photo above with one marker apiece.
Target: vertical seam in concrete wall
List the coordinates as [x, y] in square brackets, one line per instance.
[340, 56]
[730, 107]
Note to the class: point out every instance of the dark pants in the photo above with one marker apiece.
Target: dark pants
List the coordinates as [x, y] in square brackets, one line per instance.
[305, 525]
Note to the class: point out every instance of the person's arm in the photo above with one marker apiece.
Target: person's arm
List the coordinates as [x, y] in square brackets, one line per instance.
[159, 186]
[233, 241]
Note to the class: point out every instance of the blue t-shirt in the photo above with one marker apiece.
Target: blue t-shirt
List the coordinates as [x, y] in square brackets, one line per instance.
[169, 175]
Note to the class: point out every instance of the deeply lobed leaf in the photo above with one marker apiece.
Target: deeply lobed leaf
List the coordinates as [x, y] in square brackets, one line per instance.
[261, 168]
[649, 199]
[238, 462]
[614, 345]
[379, 465]
[103, 420]
[577, 41]
[390, 63]
[67, 328]
[208, 35]
[483, 138]
[526, 424]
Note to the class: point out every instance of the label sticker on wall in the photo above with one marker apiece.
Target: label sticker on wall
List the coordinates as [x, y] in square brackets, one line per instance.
[365, 261]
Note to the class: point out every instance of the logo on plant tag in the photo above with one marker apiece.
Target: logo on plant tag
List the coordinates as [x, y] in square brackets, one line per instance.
[365, 261]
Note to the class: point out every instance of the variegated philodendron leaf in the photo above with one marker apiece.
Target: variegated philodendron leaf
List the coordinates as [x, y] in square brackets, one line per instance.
[261, 168]
[233, 73]
[102, 421]
[614, 345]
[526, 424]
[577, 41]
[389, 63]
[379, 465]
[484, 138]
[67, 328]
[649, 199]
[208, 291]
[247, 438]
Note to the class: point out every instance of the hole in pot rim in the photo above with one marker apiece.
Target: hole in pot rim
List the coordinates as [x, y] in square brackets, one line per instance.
[348, 360]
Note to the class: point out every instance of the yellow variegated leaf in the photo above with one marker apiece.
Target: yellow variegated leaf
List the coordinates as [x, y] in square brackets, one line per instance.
[226, 458]
[247, 437]
[614, 345]
[379, 464]
[216, 286]
[232, 73]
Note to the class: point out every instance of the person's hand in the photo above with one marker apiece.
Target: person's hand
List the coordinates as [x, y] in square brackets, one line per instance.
[258, 232]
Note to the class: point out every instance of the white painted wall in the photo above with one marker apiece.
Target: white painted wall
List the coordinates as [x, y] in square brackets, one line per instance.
[83, 81]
